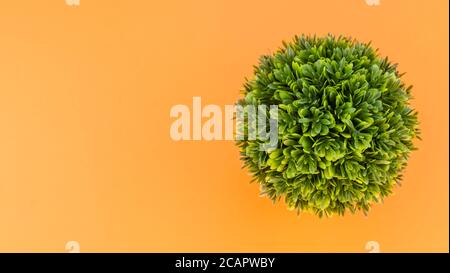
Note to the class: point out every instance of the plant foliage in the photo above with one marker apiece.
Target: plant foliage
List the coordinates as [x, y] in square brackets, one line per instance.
[345, 127]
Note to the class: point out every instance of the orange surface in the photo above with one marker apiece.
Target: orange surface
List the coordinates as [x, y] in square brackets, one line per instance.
[85, 152]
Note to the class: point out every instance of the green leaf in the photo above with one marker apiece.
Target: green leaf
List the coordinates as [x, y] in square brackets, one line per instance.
[296, 68]
[325, 202]
[324, 131]
[276, 153]
[289, 142]
[382, 162]
[316, 129]
[291, 170]
[304, 120]
[329, 172]
[285, 96]
[307, 71]
[306, 142]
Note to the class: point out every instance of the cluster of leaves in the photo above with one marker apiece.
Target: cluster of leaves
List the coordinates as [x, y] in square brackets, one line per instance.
[345, 127]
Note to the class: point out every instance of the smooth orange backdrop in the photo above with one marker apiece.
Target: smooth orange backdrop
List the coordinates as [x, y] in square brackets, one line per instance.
[85, 151]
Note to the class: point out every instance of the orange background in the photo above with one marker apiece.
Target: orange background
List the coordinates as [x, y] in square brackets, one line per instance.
[85, 151]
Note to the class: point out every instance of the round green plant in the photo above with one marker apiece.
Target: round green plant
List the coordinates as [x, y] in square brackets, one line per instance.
[345, 126]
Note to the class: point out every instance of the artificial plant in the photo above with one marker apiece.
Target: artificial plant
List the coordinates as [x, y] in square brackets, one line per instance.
[345, 126]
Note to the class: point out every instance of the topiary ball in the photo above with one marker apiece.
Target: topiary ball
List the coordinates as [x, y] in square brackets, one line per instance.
[345, 126]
